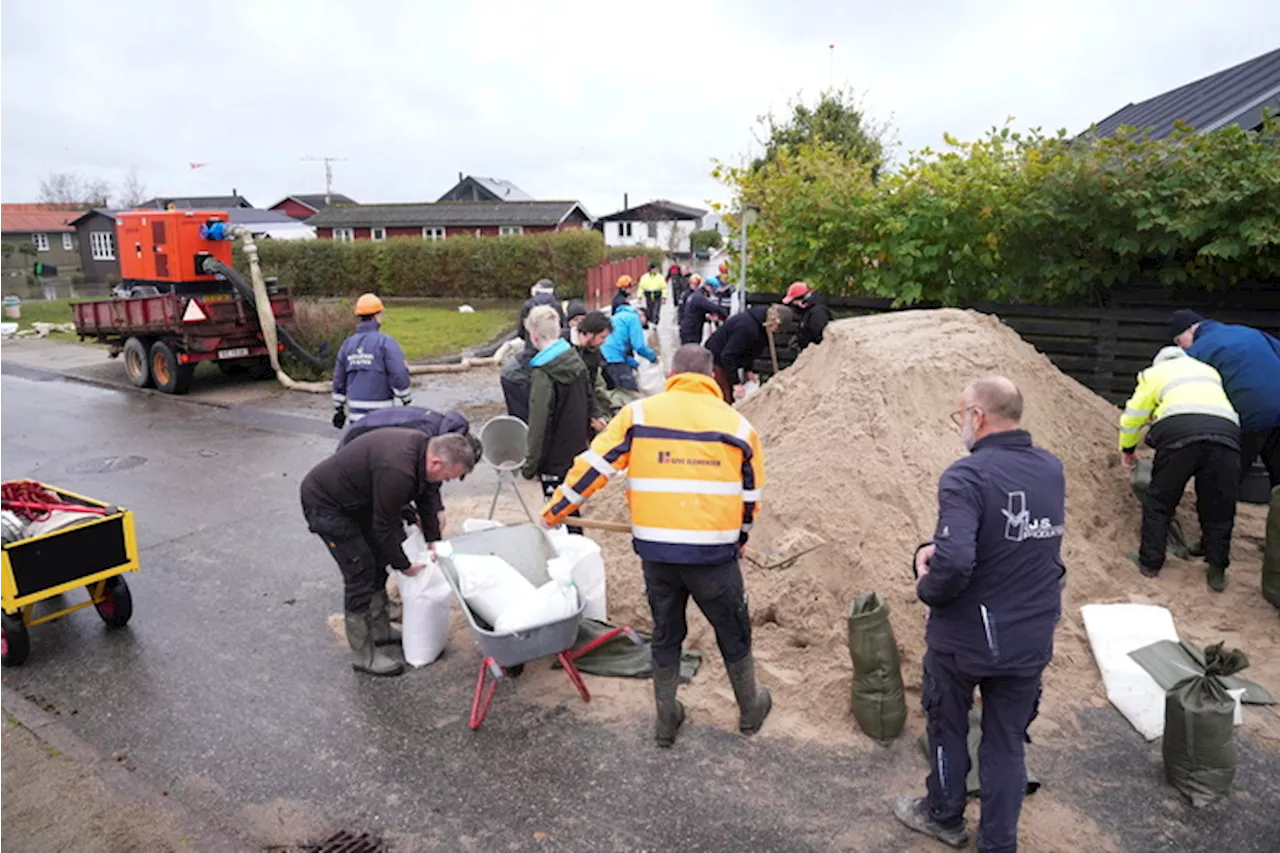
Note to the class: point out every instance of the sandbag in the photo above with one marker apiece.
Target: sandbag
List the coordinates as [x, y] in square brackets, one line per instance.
[650, 379]
[1199, 745]
[490, 585]
[585, 562]
[1139, 482]
[1271, 552]
[425, 600]
[551, 602]
[877, 699]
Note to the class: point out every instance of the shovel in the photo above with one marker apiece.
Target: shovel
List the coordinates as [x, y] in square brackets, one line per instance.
[796, 543]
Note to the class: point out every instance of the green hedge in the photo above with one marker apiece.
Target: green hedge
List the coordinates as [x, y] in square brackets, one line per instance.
[621, 253]
[460, 267]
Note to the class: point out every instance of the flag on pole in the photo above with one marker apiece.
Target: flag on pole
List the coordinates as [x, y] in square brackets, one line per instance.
[197, 165]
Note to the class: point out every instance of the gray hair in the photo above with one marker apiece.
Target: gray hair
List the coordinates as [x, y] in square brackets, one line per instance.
[454, 450]
[691, 358]
[997, 396]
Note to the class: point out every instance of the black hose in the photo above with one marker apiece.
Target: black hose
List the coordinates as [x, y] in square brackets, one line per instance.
[214, 266]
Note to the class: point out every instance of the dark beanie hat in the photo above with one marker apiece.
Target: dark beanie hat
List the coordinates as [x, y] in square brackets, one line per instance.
[576, 309]
[1183, 319]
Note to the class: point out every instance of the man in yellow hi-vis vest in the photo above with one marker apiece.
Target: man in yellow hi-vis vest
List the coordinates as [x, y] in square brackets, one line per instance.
[694, 475]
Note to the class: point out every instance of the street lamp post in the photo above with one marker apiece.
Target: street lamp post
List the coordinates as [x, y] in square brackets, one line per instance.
[748, 215]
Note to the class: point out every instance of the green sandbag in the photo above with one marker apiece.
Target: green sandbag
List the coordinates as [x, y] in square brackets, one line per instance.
[878, 702]
[973, 781]
[1176, 542]
[1199, 730]
[1271, 552]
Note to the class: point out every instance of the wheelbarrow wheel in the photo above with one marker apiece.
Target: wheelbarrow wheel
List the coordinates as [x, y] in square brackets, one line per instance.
[15, 640]
[116, 605]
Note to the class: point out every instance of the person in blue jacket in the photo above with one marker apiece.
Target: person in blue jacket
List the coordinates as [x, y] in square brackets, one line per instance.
[1248, 360]
[371, 371]
[991, 579]
[624, 343]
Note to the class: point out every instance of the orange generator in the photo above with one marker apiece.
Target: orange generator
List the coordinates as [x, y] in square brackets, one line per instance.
[166, 248]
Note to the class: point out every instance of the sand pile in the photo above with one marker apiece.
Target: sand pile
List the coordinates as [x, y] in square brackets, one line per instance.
[856, 435]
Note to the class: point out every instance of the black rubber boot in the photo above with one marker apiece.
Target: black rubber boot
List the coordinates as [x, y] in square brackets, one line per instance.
[368, 658]
[754, 701]
[380, 613]
[913, 812]
[1195, 548]
[666, 679]
[1217, 577]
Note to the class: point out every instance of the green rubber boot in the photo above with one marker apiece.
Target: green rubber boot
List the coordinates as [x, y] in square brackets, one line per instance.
[368, 658]
[1217, 577]
[754, 701]
[666, 680]
[380, 613]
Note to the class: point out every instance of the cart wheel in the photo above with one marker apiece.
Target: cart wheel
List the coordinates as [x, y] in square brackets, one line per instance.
[170, 375]
[14, 640]
[116, 605]
[137, 363]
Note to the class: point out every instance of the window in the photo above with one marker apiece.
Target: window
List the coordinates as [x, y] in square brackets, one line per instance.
[510, 230]
[102, 245]
[377, 235]
[344, 235]
[67, 245]
[653, 230]
[41, 240]
[432, 233]
[624, 229]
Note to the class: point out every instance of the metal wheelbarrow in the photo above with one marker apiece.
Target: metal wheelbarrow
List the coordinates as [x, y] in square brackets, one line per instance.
[527, 549]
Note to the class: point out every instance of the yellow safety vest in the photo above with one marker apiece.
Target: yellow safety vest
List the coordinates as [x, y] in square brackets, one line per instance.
[1178, 386]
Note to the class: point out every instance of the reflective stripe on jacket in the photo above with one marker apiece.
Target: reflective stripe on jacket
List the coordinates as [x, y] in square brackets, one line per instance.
[694, 470]
[370, 372]
[1178, 386]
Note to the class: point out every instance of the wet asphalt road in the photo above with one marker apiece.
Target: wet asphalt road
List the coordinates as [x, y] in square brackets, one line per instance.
[229, 691]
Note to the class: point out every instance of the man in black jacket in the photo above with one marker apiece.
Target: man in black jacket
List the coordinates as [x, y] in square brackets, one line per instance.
[542, 293]
[560, 407]
[813, 313]
[991, 578]
[593, 331]
[698, 305]
[742, 339]
[355, 500]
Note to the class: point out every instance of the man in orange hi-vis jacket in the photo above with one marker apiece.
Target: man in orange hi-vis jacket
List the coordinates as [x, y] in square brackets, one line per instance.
[694, 474]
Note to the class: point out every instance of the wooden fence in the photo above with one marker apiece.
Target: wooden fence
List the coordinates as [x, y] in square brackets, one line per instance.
[1101, 347]
[602, 280]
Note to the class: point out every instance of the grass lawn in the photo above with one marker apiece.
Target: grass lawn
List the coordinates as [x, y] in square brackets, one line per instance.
[426, 330]
[39, 311]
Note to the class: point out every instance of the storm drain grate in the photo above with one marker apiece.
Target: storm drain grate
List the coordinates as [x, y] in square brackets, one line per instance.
[347, 841]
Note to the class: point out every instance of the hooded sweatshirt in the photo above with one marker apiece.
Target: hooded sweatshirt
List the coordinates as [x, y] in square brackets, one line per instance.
[559, 411]
[626, 339]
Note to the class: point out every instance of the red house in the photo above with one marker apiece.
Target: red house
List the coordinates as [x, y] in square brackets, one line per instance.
[308, 205]
[435, 221]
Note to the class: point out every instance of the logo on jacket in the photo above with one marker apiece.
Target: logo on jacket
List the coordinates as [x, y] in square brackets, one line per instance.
[1019, 526]
[665, 458]
[359, 358]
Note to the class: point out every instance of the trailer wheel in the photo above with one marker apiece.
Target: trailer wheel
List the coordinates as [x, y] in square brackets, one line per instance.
[116, 605]
[170, 375]
[137, 363]
[15, 642]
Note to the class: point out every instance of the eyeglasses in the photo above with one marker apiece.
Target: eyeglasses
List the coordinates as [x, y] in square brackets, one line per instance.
[957, 417]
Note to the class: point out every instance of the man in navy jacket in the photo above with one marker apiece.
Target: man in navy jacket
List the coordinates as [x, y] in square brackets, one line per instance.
[991, 578]
[1249, 362]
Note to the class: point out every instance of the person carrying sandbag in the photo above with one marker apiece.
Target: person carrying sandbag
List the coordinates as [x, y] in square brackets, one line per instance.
[991, 580]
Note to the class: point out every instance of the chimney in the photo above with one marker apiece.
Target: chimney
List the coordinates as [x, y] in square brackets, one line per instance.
[233, 191]
[459, 177]
[624, 201]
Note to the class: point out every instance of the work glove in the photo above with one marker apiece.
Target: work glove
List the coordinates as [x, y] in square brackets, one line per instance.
[339, 419]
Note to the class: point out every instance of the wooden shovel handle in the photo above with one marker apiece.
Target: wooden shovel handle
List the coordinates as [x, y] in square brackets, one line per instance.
[593, 524]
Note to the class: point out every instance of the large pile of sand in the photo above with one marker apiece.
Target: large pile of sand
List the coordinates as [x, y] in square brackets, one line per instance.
[856, 435]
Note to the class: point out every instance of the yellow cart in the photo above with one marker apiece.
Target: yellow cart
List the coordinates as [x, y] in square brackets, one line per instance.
[92, 556]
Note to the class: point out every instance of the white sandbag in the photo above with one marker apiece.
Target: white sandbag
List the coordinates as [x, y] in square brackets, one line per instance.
[551, 602]
[475, 525]
[650, 379]
[425, 598]
[490, 585]
[1115, 630]
[586, 567]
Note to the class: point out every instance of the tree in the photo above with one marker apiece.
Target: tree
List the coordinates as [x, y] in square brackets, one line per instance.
[837, 121]
[70, 188]
[132, 192]
[700, 241]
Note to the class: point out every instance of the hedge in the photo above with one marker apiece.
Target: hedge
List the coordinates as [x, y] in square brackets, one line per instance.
[459, 267]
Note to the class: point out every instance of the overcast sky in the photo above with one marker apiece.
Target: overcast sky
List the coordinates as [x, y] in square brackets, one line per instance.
[568, 100]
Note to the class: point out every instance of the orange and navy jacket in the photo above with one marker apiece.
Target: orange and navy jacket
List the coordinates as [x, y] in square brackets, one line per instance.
[694, 473]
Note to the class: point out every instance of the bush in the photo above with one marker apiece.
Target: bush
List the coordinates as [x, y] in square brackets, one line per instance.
[621, 253]
[463, 267]
[700, 241]
[320, 327]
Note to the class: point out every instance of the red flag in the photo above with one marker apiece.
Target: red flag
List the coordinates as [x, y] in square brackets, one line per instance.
[198, 165]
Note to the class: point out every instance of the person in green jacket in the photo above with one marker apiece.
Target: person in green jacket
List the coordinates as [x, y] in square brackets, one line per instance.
[560, 403]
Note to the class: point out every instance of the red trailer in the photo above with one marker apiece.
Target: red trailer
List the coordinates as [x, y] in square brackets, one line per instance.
[184, 309]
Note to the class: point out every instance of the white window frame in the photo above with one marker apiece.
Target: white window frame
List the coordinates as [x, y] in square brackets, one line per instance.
[41, 240]
[67, 244]
[102, 245]
[510, 230]
[624, 229]
[378, 234]
[433, 233]
[344, 235]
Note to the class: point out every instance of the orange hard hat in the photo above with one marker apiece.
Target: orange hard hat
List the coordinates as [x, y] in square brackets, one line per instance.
[624, 281]
[368, 304]
[794, 292]
[695, 280]
[724, 267]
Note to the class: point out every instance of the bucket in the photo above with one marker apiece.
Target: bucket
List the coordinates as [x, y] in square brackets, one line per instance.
[505, 441]
[13, 307]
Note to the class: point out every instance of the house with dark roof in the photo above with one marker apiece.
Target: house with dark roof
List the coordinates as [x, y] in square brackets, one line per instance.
[1237, 96]
[437, 220]
[197, 202]
[37, 233]
[473, 188]
[659, 224]
[307, 205]
[96, 235]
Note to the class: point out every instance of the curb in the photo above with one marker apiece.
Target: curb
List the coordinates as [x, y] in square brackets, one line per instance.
[204, 835]
[17, 368]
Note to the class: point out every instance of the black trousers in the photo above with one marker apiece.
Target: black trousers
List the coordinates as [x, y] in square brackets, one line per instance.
[653, 305]
[549, 484]
[1009, 704]
[620, 375]
[1265, 444]
[718, 592]
[351, 544]
[1216, 469]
